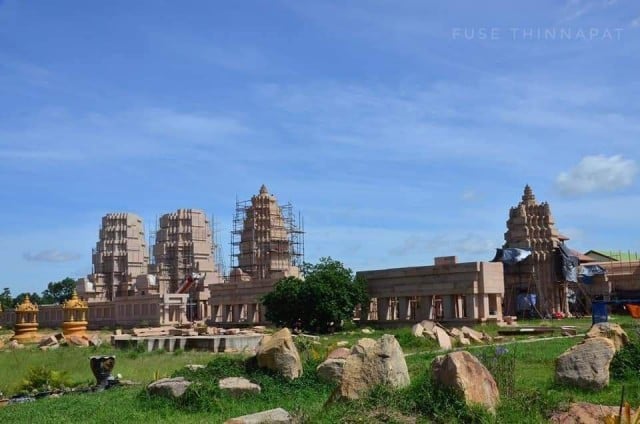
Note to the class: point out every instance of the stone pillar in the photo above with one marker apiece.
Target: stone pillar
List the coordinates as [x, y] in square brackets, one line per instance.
[424, 308]
[448, 306]
[262, 313]
[484, 306]
[383, 309]
[471, 307]
[403, 308]
[251, 313]
[214, 312]
[235, 313]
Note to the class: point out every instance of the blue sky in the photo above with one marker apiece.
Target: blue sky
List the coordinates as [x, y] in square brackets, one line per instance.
[402, 130]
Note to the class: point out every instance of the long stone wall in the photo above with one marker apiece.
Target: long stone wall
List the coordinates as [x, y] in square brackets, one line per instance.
[152, 310]
[452, 292]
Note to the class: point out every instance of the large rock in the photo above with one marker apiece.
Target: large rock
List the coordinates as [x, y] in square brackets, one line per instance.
[339, 353]
[372, 363]
[238, 386]
[277, 352]
[272, 416]
[169, 387]
[428, 325]
[611, 331]
[465, 373]
[444, 340]
[417, 330]
[48, 341]
[331, 370]
[584, 413]
[586, 365]
[77, 340]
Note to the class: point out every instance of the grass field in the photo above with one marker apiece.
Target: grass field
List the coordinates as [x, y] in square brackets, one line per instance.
[535, 393]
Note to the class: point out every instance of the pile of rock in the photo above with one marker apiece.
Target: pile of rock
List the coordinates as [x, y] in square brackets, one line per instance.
[59, 339]
[586, 364]
[447, 338]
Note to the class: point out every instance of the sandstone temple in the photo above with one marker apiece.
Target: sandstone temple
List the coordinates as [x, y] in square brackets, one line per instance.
[176, 277]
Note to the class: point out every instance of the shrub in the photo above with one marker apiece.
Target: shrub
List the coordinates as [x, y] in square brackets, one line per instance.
[42, 378]
[501, 363]
[626, 362]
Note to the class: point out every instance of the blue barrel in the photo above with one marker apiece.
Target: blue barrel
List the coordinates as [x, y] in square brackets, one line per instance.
[599, 312]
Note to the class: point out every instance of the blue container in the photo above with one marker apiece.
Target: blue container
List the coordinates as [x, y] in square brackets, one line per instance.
[599, 312]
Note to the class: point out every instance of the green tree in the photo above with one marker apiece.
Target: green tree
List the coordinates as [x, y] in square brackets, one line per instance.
[33, 297]
[321, 302]
[59, 292]
[6, 301]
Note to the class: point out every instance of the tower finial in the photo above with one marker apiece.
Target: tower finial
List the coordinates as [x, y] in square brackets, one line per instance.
[528, 196]
[263, 189]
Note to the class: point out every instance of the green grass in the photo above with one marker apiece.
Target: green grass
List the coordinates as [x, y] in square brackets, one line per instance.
[74, 361]
[535, 395]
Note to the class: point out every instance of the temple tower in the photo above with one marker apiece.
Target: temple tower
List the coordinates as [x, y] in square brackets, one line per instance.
[266, 239]
[184, 246]
[531, 226]
[119, 257]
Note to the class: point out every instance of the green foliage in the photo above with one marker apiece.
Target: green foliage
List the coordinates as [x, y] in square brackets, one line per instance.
[42, 378]
[58, 292]
[410, 342]
[626, 362]
[33, 297]
[501, 363]
[322, 302]
[6, 301]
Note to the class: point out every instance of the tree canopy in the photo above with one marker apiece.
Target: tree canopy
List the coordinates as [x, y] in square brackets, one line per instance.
[56, 292]
[322, 301]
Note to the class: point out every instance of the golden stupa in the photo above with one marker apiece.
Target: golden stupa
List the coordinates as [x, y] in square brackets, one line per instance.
[75, 316]
[26, 328]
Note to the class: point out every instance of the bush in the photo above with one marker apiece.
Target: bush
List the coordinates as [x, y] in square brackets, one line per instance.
[626, 362]
[42, 378]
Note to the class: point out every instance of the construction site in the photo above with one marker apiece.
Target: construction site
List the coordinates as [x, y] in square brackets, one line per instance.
[177, 275]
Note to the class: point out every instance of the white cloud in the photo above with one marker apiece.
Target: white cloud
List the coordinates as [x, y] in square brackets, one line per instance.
[636, 22]
[51, 255]
[597, 173]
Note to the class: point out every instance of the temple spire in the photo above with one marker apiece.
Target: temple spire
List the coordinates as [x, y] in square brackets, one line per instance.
[263, 189]
[528, 196]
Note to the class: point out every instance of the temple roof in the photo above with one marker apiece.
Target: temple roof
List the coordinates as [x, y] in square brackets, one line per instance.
[75, 302]
[27, 306]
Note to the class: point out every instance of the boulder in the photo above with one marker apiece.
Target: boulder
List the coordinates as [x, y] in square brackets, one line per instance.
[444, 340]
[277, 352]
[430, 334]
[417, 330]
[342, 343]
[465, 373]
[611, 331]
[14, 344]
[48, 341]
[428, 325]
[455, 332]
[238, 386]
[55, 346]
[272, 416]
[94, 340]
[77, 341]
[372, 363]
[584, 413]
[195, 367]
[463, 340]
[471, 333]
[586, 365]
[339, 353]
[169, 387]
[367, 331]
[331, 370]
